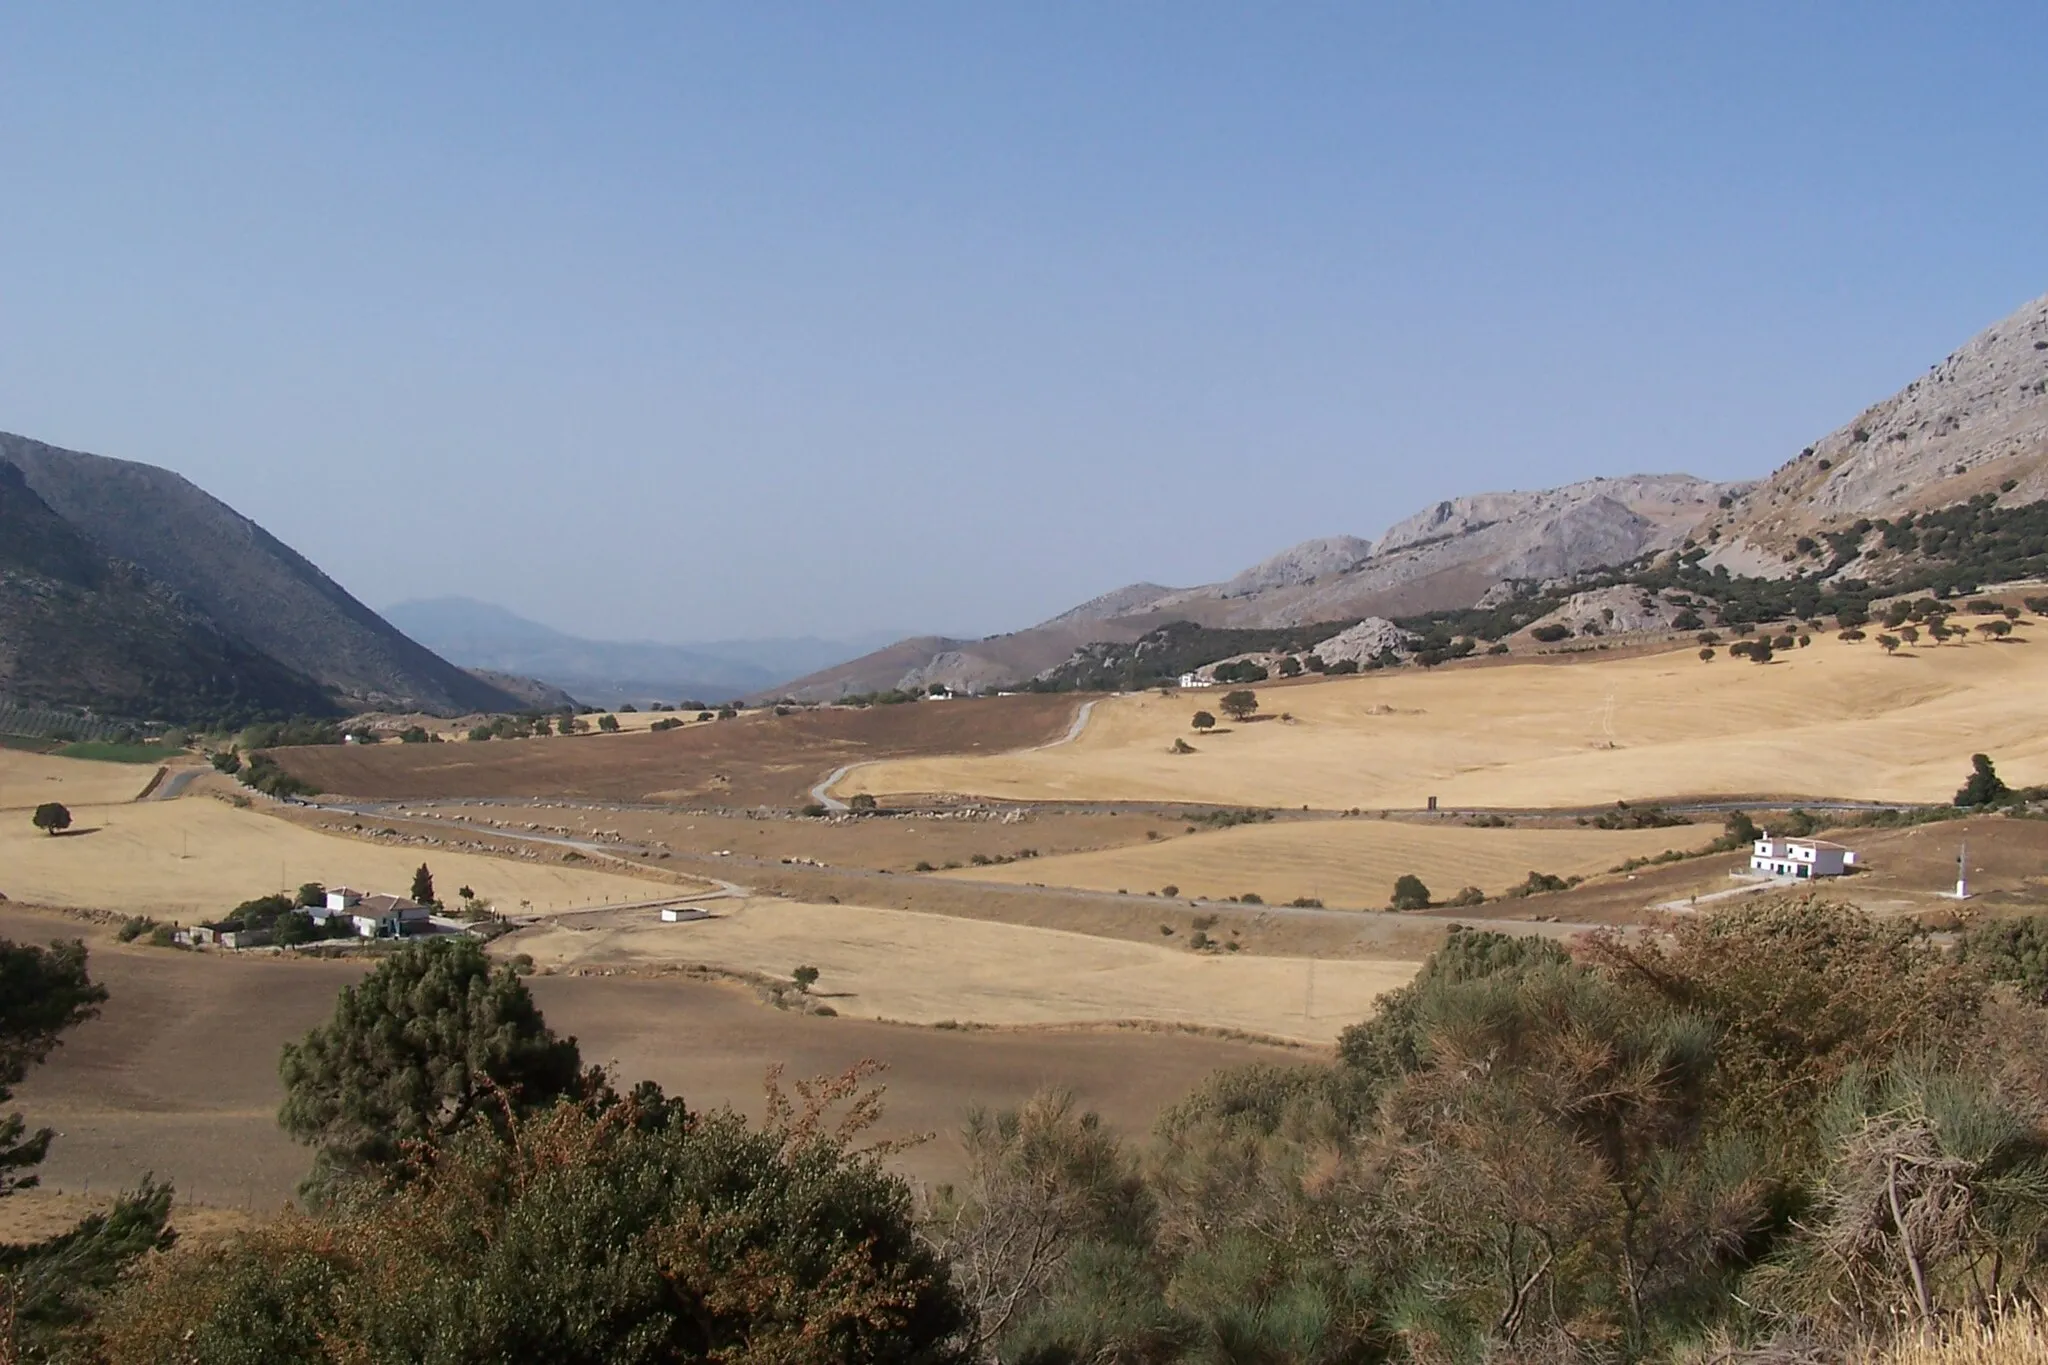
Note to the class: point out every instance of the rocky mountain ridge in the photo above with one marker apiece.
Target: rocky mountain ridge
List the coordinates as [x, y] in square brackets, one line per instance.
[1975, 423]
[1444, 557]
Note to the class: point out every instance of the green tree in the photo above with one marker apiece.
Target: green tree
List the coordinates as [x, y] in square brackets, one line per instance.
[805, 978]
[862, 801]
[1204, 721]
[51, 816]
[631, 1232]
[310, 894]
[609, 724]
[1985, 787]
[1410, 893]
[44, 993]
[1240, 704]
[423, 886]
[415, 1051]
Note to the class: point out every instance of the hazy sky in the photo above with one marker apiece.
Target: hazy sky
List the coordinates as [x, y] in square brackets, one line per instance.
[682, 321]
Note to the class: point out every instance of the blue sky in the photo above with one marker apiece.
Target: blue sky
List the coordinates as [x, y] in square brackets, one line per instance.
[687, 321]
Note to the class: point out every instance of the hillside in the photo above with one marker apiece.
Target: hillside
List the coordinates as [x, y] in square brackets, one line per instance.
[1975, 423]
[1445, 557]
[79, 629]
[249, 583]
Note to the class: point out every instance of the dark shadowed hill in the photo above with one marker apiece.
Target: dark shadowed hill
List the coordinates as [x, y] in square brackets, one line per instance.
[250, 583]
[78, 628]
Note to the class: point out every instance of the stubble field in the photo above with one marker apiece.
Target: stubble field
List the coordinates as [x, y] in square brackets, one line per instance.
[198, 857]
[28, 780]
[1835, 719]
[1347, 862]
[919, 968]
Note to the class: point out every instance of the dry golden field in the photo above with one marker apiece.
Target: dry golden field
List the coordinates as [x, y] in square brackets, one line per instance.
[917, 968]
[1834, 719]
[28, 780]
[196, 857]
[1345, 862]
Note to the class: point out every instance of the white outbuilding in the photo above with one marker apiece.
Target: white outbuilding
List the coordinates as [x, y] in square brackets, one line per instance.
[1803, 859]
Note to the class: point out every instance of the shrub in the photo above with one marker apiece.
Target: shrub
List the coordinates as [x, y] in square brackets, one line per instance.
[1467, 897]
[1410, 893]
[1169, 891]
[1537, 883]
[1551, 633]
[1985, 787]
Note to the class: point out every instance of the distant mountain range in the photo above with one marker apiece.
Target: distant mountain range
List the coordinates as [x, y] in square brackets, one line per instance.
[481, 636]
[241, 617]
[1976, 424]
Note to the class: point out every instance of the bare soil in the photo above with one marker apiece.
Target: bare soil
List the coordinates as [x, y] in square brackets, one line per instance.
[755, 759]
[178, 1076]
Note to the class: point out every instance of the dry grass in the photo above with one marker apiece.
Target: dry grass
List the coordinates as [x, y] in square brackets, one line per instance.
[196, 857]
[1832, 720]
[1345, 862]
[28, 780]
[2019, 1337]
[902, 965]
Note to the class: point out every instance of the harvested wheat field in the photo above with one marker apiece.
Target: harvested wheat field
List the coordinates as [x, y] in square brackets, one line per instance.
[902, 965]
[178, 1074]
[198, 857]
[27, 780]
[754, 759]
[1346, 862]
[1835, 719]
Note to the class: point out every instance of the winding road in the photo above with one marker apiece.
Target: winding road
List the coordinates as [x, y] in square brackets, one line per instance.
[822, 793]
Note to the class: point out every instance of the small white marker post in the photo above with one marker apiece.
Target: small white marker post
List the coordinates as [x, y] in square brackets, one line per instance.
[1963, 871]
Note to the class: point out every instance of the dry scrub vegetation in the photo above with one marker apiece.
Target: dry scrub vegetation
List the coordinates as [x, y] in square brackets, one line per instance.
[1834, 719]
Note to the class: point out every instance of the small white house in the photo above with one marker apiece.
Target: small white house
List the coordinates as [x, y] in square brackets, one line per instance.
[1800, 858]
[381, 916]
[1196, 680]
[682, 914]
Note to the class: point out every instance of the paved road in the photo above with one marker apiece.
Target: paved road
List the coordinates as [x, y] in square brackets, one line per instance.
[173, 786]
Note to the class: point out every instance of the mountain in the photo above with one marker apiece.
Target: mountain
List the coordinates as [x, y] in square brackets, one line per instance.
[247, 582]
[483, 636]
[80, 629]
[1444, 557]
[1975, 423]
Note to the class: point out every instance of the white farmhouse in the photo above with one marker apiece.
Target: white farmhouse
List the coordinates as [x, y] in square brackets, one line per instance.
[381, 916]
[1196, 680]
[1800, 858]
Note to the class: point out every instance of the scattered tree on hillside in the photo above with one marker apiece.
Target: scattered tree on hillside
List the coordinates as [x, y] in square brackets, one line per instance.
[609, 724]
[51, 817]
[1985, 787]
[1889, 643]
[1410, 893]
[310, 894]
[1706, 653]
[862, 801]
[430, 1041]
[1909, 635]
[1240, 704]
[1204, 721]
[805, 978]
[1290, 667]
[423, 886]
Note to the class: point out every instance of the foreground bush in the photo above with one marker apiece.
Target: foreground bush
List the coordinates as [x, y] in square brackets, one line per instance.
[628, 1231]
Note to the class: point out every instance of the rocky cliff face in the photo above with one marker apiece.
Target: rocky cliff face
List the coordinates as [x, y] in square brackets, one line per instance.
[1975, 423]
